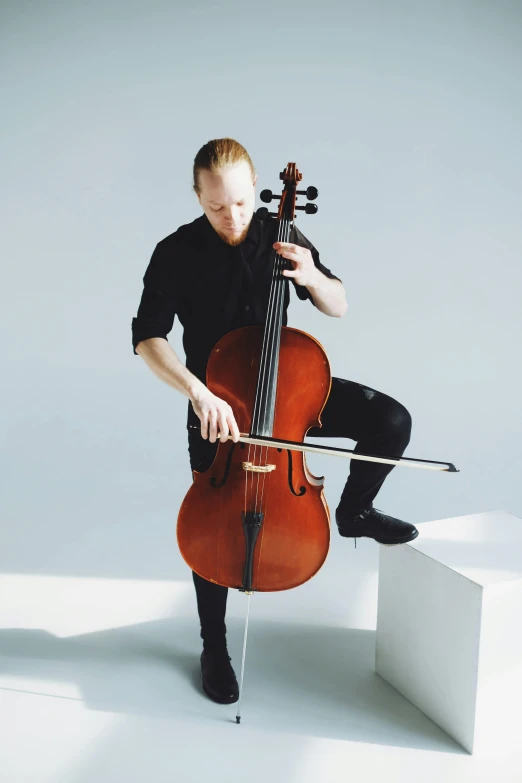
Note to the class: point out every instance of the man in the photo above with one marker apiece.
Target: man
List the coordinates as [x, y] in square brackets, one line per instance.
[215, 275]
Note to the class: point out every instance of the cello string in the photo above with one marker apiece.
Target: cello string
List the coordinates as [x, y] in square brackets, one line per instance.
[257, 406]
[280, 306]
[255, 420]
[263, 359]
[277, 319]
[268, 352]
[263, 367]
[267, 370]
[265, 373]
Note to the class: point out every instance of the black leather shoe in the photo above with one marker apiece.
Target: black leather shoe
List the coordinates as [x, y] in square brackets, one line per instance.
[217, 676]
[373, 523]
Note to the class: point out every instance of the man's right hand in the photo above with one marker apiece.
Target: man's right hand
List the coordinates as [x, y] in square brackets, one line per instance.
[214, 414]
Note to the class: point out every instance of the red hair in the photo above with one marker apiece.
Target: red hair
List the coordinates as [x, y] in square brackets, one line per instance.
[218, 153]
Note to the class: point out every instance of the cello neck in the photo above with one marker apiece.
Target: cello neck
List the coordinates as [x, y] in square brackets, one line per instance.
[264, 407]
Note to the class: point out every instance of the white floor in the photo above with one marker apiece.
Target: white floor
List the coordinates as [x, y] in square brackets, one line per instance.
[99, 681]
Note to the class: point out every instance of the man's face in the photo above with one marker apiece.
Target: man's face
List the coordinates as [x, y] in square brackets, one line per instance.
[228, 199]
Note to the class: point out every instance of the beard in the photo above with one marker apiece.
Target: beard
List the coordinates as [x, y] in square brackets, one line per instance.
[233, 239]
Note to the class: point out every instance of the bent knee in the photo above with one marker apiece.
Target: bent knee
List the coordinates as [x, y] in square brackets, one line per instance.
[402, 416]
[400, 421]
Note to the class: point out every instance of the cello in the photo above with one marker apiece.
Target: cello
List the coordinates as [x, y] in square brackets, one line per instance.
[257, 519]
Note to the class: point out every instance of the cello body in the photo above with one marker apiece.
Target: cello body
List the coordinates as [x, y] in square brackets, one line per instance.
[293, 521]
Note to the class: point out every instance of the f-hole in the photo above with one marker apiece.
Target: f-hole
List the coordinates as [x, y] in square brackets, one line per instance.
[302, 490]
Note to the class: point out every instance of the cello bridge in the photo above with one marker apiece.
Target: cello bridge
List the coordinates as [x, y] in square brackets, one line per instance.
[258, 468]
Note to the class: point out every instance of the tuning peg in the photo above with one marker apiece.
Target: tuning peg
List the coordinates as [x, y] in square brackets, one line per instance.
[263, 213]
[267, 196]
[310, 209]
[310, 192]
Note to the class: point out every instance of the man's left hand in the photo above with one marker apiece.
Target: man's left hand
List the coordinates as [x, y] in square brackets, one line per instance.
[304, 270]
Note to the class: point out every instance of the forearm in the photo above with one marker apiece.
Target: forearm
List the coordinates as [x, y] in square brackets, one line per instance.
[328, 295]
[164, 362]
[216, 415]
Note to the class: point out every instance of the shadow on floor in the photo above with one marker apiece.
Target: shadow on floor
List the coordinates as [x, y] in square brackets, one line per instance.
[310, 680]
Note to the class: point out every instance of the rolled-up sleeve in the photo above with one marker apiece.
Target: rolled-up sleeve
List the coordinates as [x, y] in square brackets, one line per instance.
[157, 308]
[298, 238]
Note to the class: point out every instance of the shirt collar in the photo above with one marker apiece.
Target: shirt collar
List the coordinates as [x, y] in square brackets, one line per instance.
[252, 235]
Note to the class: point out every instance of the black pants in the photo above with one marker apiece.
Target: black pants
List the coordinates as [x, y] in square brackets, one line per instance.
[379, 424]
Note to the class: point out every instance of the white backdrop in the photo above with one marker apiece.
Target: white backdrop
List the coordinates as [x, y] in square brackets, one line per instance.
[406, 117]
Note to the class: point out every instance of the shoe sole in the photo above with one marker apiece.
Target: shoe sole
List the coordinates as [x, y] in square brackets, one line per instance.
[404, 540]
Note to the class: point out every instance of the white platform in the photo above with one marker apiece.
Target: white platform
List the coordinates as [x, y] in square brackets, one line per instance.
[449, 623]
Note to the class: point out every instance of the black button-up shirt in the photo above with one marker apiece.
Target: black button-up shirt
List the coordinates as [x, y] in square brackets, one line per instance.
[212, 287]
